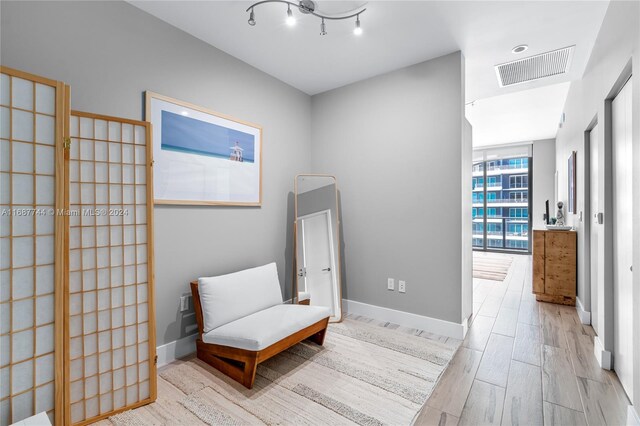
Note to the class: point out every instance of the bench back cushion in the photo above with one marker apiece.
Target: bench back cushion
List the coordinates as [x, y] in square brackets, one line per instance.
[230, 297]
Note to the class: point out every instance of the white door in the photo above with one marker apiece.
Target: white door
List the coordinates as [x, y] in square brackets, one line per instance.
[622, 241]
[319, 266]
[595, 226]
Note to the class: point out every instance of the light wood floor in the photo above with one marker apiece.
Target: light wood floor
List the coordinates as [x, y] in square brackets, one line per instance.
[524, 363]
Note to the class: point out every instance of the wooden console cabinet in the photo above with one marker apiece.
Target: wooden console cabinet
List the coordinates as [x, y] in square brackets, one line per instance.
[554, 266]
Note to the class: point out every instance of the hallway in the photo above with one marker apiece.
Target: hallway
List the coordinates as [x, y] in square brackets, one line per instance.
[524, 362]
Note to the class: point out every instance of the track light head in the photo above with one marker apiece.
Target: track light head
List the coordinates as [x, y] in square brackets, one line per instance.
[357, 30]
[291, 20]
[252, 18]
[323, 28]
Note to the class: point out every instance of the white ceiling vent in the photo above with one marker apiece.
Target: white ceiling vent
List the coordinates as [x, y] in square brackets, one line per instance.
[535, 67]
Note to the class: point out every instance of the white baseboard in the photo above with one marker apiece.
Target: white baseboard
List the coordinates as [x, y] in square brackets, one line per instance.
[585, 317]
[633, 419]
[406, 319]
[465, 326]
[603, 356]
[176, 349]
[187, 345]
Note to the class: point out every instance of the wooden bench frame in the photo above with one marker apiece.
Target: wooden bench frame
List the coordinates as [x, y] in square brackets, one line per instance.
[226, 359]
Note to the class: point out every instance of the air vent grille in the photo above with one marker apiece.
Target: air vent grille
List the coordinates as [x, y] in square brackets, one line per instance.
[535, 67]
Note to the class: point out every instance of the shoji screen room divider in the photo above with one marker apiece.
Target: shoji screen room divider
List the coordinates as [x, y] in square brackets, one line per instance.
[32, 111]
[111, 358]
[76, 304]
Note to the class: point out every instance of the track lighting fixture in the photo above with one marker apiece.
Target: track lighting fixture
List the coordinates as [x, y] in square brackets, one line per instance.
[307, 7]
[358, 29]
[291, 20]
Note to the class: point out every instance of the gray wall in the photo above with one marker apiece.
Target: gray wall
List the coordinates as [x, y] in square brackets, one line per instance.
[395, 144]
[617, 43]
[110, 53]
[544, 178]
[319, 199]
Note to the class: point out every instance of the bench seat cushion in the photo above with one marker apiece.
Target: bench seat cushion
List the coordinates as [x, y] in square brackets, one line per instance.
[226, 298]
[262, 329]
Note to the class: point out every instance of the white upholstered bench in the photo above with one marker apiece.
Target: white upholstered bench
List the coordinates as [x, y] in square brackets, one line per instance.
[243, 322]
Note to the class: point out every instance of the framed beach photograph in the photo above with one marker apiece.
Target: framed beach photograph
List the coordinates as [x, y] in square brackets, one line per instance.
[203, 157]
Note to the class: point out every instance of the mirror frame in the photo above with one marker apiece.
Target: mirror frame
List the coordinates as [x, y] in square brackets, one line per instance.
[294, 295]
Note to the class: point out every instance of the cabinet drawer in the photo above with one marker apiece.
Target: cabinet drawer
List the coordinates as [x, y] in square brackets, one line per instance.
[560, 279]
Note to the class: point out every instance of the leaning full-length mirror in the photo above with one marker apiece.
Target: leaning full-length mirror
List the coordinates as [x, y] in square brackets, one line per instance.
[317, 243]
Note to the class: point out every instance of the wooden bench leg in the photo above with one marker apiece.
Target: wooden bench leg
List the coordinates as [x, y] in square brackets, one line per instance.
[221, 365]
[249, 372]
[244, 369]
[318, 338]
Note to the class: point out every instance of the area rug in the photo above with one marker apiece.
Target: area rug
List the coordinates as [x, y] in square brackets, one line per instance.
[365, 374]
[489, 266]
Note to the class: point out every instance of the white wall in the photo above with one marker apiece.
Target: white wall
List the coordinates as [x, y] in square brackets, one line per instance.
[636, 221]
[544, 170]
[616, 45]
[395, 144]
[467, 225]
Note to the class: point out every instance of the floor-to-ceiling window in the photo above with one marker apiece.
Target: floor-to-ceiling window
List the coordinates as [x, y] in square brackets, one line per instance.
[501, 199]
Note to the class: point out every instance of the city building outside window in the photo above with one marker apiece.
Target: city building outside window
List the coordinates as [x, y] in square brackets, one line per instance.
[519, 195]
[518, 244]
[519, 181]
[518, 229]
[499, 226]
[519, 212]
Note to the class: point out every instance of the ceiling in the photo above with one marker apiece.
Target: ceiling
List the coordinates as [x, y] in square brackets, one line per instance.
[396, 34]
[495, 121]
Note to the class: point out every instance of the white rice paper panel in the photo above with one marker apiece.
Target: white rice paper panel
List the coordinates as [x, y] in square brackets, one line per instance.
[22, 154]
[22, 125]
[5, 123]
[45, 99]
[22, 287]
[45, 129]
[5, 89]
[22, 93]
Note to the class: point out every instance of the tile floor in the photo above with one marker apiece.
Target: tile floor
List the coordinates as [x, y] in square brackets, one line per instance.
[524, 362]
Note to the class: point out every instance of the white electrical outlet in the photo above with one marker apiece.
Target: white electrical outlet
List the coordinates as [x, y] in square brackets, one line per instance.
[391, 284]
[402, 286]
[184, 303]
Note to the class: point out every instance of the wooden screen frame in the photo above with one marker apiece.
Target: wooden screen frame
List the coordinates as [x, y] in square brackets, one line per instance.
[61, 132]
[150, 274]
